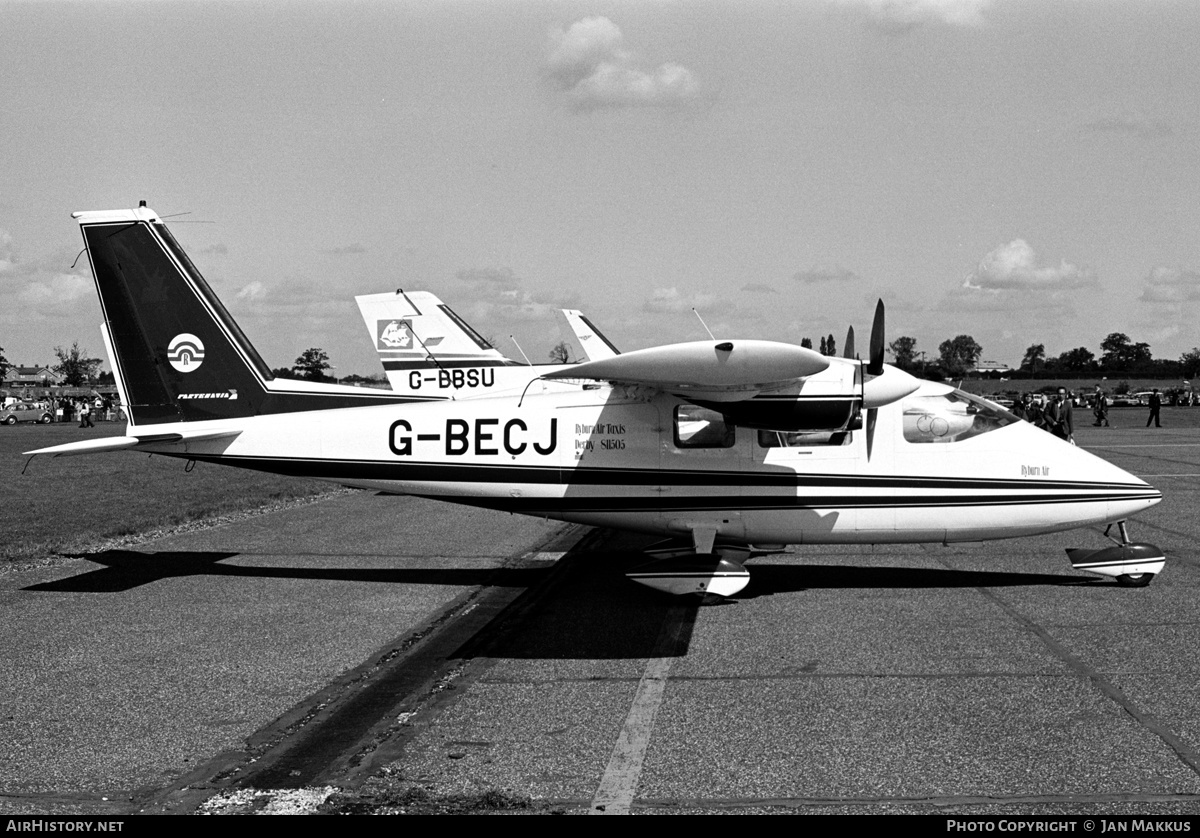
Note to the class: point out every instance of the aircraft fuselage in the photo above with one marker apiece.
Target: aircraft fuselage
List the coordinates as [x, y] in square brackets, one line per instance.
[610, 456]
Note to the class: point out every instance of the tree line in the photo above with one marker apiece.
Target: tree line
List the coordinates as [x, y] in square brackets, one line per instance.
[1119, 355]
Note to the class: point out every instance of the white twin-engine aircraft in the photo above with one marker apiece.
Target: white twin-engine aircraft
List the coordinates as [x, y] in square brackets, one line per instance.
[721, 446]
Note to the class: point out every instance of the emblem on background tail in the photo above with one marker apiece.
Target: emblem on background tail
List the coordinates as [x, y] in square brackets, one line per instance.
[394, 334]
[186, 352]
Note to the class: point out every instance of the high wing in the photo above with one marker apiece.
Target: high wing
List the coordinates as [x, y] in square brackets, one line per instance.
[760, 384]
[713, 371]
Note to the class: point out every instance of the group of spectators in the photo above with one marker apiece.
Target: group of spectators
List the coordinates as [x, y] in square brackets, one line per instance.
[1056, 415]
[87, 410]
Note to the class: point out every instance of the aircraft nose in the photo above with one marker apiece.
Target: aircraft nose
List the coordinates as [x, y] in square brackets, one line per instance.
[1127, 493]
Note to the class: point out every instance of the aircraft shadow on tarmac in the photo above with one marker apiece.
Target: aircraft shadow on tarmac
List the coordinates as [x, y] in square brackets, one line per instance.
[590, 612]
[595, 613]
[124, 570]
[767, 579]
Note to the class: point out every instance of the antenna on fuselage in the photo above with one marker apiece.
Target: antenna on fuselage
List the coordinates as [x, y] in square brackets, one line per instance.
[702, 323]
[519, 349]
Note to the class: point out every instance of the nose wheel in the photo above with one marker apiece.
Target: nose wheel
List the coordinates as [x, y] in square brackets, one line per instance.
[1132, 565]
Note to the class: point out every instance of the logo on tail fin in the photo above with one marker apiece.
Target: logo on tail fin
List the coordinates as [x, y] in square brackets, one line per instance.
[395, 334]
[186, 352]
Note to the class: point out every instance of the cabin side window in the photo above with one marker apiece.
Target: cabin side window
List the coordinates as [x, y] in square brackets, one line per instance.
[806, 439]
[699, 427]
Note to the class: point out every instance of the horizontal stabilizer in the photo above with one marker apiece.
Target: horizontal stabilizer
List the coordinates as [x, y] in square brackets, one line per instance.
[713, 371]
[123, 443]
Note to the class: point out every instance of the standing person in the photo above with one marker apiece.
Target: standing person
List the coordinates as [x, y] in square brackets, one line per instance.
[1155, 407]
[1058, 417]
[1021, 407]
[1100, 408]
[85, 414]
[1035, 414]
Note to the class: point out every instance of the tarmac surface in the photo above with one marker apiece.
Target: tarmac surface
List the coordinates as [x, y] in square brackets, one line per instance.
[444, 647]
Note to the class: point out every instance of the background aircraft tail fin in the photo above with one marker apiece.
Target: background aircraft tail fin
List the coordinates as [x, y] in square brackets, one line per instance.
[416, 330]
[586, 341]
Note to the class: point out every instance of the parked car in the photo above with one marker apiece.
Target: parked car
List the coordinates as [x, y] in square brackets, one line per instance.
[25, 413]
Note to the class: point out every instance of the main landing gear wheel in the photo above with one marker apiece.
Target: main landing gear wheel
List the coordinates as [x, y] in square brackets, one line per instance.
[1132, 565]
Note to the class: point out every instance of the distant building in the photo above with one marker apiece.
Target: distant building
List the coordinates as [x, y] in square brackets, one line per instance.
[32, 377]
[984, 367]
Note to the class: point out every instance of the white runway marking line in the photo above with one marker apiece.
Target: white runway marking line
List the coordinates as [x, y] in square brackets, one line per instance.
[548, 558]
[620, 780]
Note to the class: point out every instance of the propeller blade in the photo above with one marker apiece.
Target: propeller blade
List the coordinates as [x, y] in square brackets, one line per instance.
[875, 367]
[848, 352]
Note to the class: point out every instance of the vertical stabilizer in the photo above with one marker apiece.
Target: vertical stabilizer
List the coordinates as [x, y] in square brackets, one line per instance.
[177, 354]
[587, 342]
[415, 330]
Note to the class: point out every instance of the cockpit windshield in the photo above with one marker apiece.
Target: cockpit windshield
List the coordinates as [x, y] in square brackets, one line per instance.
[951, 417]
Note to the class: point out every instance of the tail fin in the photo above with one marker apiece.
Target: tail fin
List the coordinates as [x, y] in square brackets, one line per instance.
[416, 330]
[585, 339]
[177, 354]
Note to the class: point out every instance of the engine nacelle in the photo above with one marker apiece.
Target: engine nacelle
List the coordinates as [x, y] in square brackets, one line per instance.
[891, 385]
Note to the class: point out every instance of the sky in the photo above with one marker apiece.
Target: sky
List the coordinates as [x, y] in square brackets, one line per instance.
[1021, 171]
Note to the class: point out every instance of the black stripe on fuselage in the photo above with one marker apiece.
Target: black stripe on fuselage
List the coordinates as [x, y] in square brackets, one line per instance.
[974, 492]
[481, 473]
[443, 363]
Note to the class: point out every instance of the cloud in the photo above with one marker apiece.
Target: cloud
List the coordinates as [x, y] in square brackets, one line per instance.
[833, 274]
[590, 64]
[254, 291]
[494, 298]
[489, 276]
[758, 288]
[1171, 285]
[903, 15]
[1170, 305]
[347, 250]
[294, 297]
[7, 257]
[214, 249]
[670, 301]
[1133, 126]
[47, 296]
[1013, 267]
